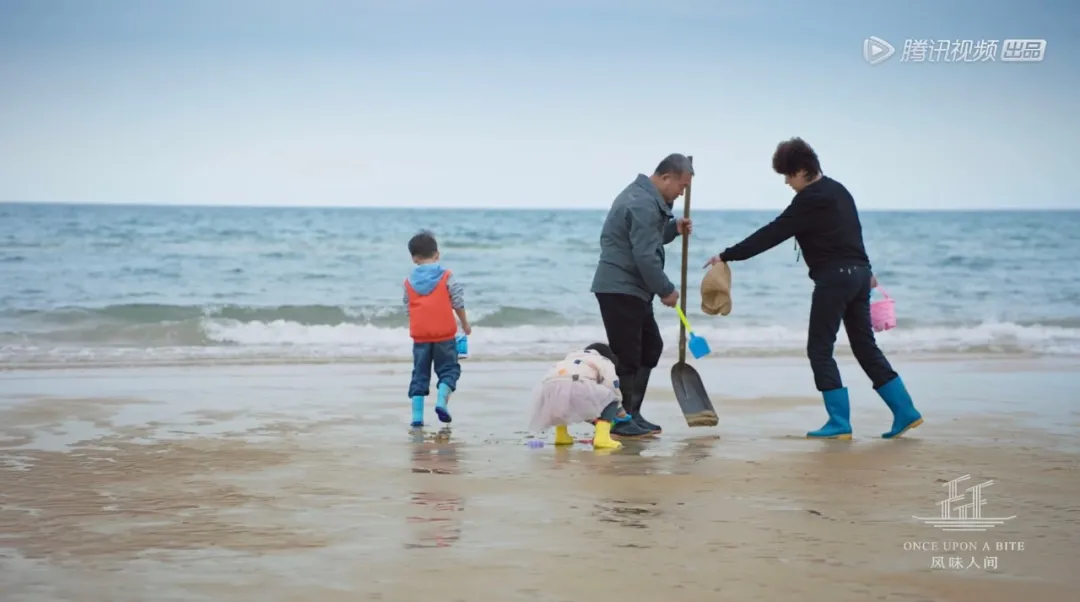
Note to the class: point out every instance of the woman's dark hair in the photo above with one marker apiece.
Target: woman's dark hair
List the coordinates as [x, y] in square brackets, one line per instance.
[793, 156]
[605, 351]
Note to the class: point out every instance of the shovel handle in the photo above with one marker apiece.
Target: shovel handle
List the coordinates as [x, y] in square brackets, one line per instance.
[682, 318]
[685, 259]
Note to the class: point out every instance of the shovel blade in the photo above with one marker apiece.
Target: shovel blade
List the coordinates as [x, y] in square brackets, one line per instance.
[692, 397]
[698, 346]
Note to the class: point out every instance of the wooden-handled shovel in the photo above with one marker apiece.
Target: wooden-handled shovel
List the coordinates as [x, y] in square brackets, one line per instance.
[689, 390]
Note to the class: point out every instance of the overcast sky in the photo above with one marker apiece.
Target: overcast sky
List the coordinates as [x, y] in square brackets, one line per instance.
[528, 104]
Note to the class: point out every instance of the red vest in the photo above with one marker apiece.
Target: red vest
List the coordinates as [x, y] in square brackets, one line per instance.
[431, 316]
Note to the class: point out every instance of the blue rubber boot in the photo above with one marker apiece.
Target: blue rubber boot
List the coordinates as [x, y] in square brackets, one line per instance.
[839, 408]
[905, 416]
[417, 411]
[440, 404]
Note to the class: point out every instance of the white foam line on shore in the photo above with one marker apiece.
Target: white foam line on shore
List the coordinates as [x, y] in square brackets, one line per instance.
[90, 363]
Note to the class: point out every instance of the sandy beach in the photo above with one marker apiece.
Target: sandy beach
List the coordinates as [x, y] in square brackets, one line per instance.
[303, 482]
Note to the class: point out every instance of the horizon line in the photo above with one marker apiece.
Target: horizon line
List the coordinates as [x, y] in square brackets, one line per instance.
[190, 205]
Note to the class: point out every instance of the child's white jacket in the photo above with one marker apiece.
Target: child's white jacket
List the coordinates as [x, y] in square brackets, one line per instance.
[588, 365]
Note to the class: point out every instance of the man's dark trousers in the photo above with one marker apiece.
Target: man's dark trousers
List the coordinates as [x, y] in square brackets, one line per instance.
[635, 339]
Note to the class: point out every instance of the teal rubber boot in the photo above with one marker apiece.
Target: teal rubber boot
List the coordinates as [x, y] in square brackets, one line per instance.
[839, 408]
[905, 416]
[440, 404]
[417, 411]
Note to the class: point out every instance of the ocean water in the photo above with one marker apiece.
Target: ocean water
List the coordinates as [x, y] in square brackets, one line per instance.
[137, 284]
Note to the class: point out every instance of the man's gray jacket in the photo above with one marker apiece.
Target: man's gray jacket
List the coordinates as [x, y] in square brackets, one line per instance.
[637, 227]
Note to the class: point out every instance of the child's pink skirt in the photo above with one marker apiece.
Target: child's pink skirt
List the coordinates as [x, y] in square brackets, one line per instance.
[565, 401]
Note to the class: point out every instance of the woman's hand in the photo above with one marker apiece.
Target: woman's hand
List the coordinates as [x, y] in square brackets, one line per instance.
[715, 259]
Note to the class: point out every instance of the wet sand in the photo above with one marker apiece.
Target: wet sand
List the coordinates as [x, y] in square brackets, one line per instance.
[304, 482]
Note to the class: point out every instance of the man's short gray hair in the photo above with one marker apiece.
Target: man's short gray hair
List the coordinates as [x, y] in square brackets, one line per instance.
[675, 164]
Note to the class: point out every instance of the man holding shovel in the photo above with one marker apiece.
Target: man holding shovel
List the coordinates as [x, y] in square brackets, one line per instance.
[631, 272]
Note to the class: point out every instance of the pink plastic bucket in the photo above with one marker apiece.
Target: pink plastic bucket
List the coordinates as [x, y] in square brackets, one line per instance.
[883, 313]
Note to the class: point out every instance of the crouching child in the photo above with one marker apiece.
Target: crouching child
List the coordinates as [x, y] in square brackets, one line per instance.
[582, 387]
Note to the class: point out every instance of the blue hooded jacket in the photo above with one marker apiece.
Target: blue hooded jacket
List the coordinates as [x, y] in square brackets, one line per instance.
[425, 276]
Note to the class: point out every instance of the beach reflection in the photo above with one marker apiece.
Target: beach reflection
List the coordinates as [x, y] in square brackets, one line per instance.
[434, 520]
[695, 449]
[626, 513]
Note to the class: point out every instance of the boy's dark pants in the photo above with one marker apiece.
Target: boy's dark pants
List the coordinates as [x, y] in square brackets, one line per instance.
[444, 357]
[842, 294]
[634, 338]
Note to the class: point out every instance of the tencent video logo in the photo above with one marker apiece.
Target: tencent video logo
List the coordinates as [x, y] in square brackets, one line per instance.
[875, 50]
[924, 50]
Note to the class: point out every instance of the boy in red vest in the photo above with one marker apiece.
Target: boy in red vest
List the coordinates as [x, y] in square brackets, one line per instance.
[432, 297]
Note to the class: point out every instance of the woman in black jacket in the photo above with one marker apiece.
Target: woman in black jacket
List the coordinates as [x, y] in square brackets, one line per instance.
[825, 223]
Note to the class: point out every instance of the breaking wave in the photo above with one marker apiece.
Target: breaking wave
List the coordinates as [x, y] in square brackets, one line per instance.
[153, 333]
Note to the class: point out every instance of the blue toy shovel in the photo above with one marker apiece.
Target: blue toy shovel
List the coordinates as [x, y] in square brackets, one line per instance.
[698, 346]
